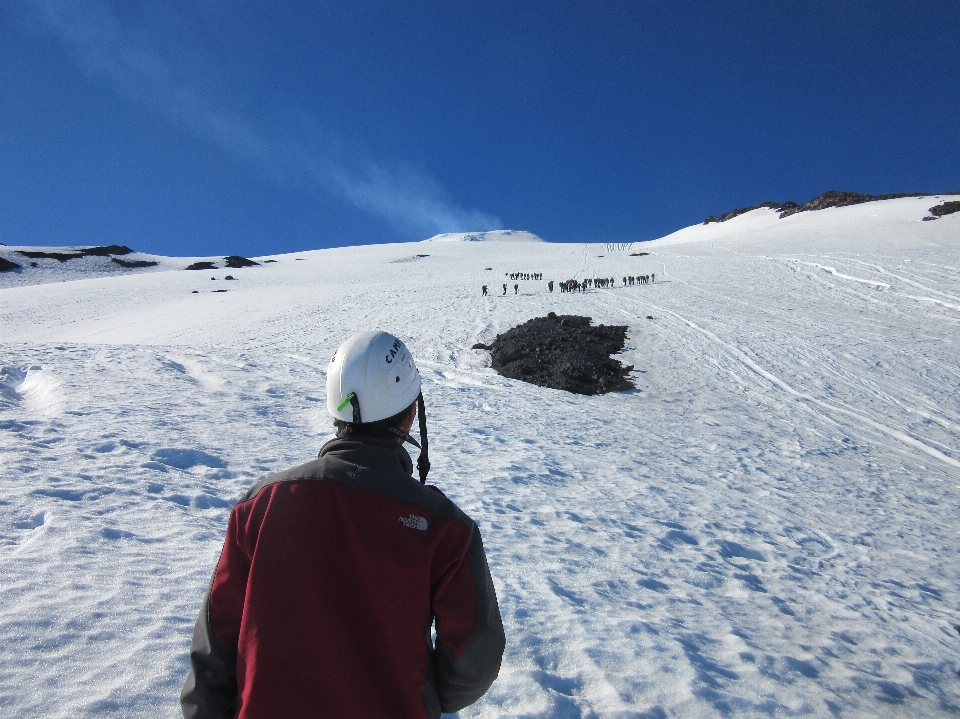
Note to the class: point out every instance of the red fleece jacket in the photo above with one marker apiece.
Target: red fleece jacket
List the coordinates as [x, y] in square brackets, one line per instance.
[322, 602]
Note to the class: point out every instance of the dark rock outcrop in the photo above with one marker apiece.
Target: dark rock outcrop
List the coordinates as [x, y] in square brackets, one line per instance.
[562, 352]
[59, 256]
[7, 265]
[104, 251]
[778, 206]
[236, 261]
[107, 250]
[839, 198]
[202, 266]
[944, 208]
[134, 263]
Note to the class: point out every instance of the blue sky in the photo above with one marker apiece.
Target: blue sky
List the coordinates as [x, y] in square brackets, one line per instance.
[206, 127]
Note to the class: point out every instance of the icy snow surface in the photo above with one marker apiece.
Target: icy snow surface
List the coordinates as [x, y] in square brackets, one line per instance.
[768, 525]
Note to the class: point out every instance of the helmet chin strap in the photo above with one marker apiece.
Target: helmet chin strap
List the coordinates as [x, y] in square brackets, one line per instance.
[423, 461]
[356, 408]
[404, 436]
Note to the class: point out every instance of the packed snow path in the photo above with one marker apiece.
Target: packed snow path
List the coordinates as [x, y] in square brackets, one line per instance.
[767, 526]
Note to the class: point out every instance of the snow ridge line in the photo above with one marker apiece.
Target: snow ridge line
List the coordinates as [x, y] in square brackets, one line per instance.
[884, 285]
[740, 356]
[884, 271]
[934, 300]
[836, 273]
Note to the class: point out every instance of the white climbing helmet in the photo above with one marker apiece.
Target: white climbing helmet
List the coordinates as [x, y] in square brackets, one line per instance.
[371, 377]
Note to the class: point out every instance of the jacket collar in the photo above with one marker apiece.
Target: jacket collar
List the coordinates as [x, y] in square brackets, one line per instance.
[381, 446]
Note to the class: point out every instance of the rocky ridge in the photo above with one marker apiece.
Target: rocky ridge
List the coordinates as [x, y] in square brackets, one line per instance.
[831, 198]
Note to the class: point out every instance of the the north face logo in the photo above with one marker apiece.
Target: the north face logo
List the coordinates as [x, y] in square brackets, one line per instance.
[414, 522]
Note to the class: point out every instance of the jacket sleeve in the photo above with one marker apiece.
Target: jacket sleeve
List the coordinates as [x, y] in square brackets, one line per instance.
[210, 691]
[466, 663]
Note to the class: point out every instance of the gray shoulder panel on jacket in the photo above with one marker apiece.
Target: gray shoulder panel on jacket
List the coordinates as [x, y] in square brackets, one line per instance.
[369, 464]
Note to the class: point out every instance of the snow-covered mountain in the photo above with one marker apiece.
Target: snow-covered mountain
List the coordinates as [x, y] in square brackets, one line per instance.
[489, 236]
[768, 525]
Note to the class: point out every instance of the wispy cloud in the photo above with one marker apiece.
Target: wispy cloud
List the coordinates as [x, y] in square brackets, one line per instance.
[131, 61]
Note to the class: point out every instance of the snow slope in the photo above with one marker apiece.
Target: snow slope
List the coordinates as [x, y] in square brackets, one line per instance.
[767, 526]
[35, 271]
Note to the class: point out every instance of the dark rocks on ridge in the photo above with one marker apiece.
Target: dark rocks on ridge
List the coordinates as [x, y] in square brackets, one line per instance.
[58, 256]
[107, 251]
[944, 208]
[236, 261]
[231, 261]
[134, 263]
[831, 198]
[838, 198]
[778, 206]
[562, 352]
[7, 265]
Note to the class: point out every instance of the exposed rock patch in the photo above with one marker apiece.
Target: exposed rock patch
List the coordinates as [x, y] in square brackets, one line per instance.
[838, 198]
[107, 251]
[58, 256]
[134, 263]
[778, 206]
[104, 251]
[562, 352]
[236, 261]
[233, 262]
[944, 208]
[7, 265]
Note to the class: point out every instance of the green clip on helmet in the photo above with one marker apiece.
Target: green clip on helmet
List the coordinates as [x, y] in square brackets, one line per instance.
[371, 377]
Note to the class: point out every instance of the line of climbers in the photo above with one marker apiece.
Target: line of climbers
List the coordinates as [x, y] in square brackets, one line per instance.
[601, 283]
[523, 275]
[579, 285]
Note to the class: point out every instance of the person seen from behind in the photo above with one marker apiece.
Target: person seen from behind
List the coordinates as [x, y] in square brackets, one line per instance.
[333, 573]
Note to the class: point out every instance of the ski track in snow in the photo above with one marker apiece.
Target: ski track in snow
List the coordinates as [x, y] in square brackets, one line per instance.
[766, 526]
